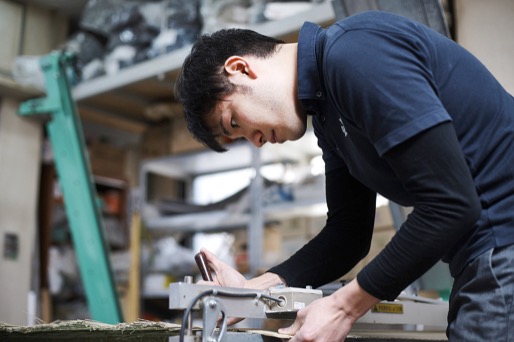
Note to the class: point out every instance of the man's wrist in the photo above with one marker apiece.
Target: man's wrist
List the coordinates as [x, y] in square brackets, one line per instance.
[265, 281]
[354, 300]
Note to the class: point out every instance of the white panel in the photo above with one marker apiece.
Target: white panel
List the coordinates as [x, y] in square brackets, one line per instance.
[486, 28]
[10, 27]
[20, 146]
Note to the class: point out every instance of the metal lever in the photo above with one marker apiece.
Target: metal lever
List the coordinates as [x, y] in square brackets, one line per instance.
[202, 265]
[212, 309]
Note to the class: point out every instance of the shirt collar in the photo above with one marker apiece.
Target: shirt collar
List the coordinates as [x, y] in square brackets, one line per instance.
[309, 43]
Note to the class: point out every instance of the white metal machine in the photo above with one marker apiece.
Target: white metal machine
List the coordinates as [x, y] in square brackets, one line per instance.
[218, 303]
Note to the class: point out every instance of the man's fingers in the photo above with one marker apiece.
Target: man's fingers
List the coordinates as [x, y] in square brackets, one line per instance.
[212, 260]
[290, 330]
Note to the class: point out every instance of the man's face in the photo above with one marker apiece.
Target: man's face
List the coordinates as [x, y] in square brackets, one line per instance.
[259, 115]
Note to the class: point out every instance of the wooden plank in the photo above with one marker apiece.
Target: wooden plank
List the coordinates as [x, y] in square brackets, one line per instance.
[132, 303]
[131, 108]
[45, 216]
[101, 117]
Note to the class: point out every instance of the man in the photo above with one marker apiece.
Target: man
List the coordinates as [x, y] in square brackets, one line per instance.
[399, 110]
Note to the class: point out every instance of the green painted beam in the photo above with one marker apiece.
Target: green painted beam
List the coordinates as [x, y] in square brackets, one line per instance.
[66, 135]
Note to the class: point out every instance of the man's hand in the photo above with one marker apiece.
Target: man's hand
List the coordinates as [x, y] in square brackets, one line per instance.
[224, 274]
[330, 319]
[228, 276]
[322, 320]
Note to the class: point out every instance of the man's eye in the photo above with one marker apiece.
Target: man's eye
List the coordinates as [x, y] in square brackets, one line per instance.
[233, 124]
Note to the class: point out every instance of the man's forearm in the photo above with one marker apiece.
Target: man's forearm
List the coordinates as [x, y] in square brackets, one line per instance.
[265, 281]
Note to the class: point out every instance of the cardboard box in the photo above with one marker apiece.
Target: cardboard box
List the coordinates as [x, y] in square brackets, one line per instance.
[181, 140]
[168, 138]
[107, 160]
[156, 141]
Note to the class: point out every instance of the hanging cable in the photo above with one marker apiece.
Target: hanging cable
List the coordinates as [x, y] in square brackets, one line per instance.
[216, 292]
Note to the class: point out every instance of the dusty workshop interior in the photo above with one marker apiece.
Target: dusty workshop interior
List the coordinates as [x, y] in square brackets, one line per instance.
[106, 198]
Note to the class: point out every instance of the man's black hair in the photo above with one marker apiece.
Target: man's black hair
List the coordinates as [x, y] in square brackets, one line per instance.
[202, 82]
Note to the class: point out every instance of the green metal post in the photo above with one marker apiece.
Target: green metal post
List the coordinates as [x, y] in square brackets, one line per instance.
[74, 172]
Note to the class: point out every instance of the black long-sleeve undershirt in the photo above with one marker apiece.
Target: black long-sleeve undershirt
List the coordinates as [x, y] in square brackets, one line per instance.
[344, 240]
[446, 206]
[433, 170]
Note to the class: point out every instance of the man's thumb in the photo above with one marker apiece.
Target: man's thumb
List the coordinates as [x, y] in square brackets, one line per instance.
[290, 330]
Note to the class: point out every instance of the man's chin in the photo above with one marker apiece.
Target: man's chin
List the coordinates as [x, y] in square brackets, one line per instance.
[300, 133]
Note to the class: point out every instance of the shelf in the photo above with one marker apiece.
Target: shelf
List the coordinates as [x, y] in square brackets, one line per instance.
[156, 67]
[315, 206]
[199, 222]
[110, 182]
[155, 294]
[127, 95]
[159, 66]
[225, 219]
[11, 88]
[238, 156]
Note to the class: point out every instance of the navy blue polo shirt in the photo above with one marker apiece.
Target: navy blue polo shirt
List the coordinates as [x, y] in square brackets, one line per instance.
[375, 80]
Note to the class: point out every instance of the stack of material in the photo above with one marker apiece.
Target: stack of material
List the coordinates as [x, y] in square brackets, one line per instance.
[84, 330]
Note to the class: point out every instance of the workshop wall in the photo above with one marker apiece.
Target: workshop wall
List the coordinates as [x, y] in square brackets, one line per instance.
[20, 146]
[485, 28]
[28, 30]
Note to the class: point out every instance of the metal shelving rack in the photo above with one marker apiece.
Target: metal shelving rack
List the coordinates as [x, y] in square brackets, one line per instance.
[240, 155]
[126, 94]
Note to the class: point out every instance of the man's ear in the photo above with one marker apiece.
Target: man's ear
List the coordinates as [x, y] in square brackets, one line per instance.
[239, 66]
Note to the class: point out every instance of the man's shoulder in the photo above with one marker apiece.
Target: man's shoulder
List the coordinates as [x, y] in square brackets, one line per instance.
[375, 21]
[372, 18]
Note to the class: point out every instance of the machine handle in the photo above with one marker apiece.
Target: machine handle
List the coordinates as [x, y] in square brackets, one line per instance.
[202, 265]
